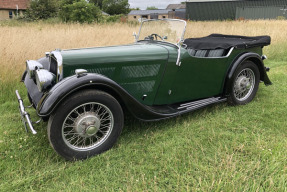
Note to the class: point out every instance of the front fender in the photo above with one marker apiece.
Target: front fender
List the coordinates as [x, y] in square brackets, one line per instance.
[255, 58]
[70, 85]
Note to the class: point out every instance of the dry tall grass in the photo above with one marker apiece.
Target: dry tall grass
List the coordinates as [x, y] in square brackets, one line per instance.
[30, 41]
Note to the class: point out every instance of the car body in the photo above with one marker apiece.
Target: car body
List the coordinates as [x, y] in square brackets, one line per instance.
[84, 92]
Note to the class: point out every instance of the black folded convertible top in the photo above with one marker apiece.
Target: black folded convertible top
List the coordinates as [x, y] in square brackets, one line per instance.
[219, 41]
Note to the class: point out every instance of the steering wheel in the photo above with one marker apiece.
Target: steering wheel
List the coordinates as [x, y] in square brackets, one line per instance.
[155, 35]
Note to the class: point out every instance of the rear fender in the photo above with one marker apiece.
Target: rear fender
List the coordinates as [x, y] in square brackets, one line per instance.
[255, 58]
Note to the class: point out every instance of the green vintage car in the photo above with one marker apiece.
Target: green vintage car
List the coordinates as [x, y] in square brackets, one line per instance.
[85, 93]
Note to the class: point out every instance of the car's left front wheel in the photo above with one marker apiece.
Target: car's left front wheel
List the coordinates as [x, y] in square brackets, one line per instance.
[86, 124]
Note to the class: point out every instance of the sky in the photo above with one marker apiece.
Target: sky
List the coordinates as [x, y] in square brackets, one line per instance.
[160, 4]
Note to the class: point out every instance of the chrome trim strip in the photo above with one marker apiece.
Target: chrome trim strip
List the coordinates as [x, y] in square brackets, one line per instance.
[230, 51]
[178, 63]
[205, 104]
[199, 102]
[24, 115]
[228, 54]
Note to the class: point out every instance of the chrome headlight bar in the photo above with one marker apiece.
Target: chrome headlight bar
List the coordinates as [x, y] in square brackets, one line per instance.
[32, 66]
[59, 61]
[44, 79]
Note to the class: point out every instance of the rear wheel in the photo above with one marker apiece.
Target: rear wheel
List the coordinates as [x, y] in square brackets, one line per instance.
[244, 84]
[86, 124]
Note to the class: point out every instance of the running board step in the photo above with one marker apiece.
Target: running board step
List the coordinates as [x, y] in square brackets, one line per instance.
[200, 103]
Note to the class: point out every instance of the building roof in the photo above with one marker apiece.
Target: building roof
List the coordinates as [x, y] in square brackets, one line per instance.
[104, 13]
[12, 4]
[200, 1]
[148, 12]
[176, 6]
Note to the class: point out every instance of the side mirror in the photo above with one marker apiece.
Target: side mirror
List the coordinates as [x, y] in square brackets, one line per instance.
[164, 37]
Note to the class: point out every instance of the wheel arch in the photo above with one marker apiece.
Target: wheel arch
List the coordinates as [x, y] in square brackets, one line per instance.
[248, 56]
[73, 84]
[104, 88]
[63, 90]
[259, 63]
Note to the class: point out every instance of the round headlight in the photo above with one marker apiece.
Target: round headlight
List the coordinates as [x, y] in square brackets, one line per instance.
[32, 66]
[44, 79]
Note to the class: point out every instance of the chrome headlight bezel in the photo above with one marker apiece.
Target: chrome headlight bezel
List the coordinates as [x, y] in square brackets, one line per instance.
[44, 79]
[32, 66]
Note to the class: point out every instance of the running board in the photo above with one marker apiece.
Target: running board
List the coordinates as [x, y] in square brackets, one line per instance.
[190, 106]
[158, 112]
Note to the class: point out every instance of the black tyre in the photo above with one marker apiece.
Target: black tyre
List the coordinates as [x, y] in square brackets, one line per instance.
[244, 84]
[85, 124]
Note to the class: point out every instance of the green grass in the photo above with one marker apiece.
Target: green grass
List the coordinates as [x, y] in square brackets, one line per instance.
[219, 148]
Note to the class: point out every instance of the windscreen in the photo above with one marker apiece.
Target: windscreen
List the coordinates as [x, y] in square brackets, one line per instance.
[162, 30]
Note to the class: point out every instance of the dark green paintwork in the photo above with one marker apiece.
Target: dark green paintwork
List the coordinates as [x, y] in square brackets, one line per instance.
[138, 68]
[196, 78]
[150, 69]
[201, 77]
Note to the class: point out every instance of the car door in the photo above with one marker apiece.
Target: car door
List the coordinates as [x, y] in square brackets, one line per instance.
[198, 77]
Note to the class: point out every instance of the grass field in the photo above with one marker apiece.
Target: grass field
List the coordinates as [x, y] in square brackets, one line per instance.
[219, 148]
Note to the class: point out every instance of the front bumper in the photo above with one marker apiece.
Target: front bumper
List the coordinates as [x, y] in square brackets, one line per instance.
[25, 115]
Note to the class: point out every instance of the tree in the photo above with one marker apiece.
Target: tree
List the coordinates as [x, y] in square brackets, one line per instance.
[115, 7]
[42, 9]
[98, 3]
[79, 11]
[151, 8]
[137, 8]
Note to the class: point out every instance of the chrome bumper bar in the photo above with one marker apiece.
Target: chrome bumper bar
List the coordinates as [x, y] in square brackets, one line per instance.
[25, 115]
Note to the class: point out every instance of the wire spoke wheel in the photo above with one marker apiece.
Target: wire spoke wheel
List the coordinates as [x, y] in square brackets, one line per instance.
[87, 123]
[244, 84]
[87, 126]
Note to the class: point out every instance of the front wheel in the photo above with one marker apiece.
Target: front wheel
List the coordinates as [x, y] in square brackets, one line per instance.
[86, 124]
[244, 84]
